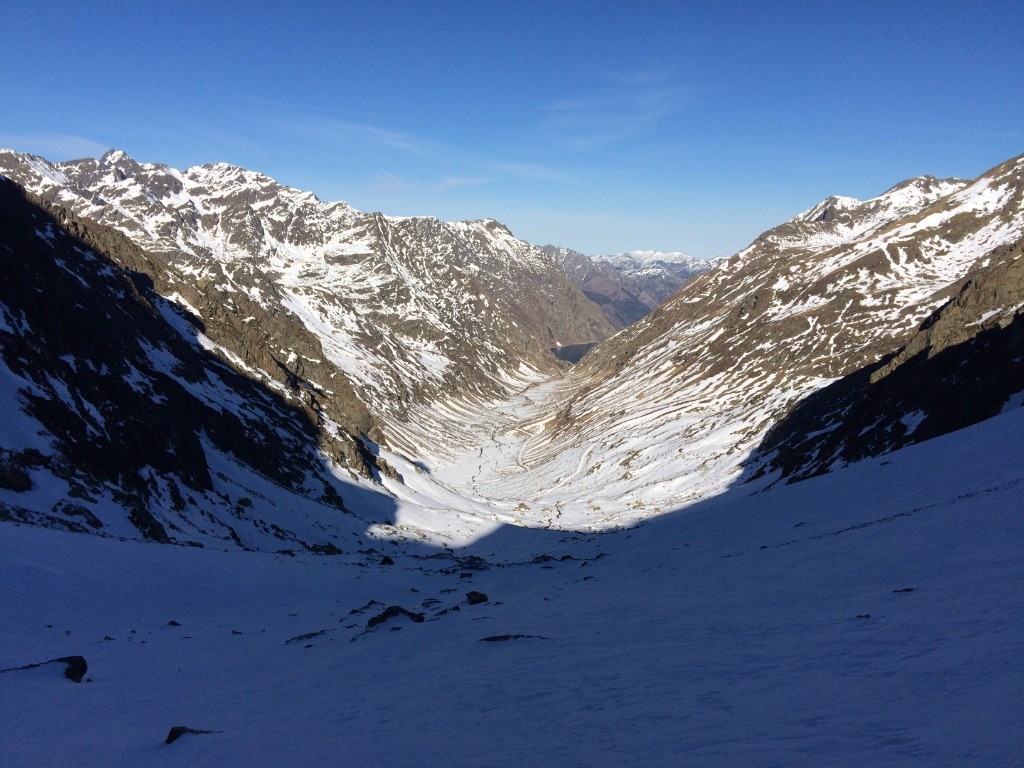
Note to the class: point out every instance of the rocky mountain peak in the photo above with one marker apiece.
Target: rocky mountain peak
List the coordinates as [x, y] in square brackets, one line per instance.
[829, 209]
[115, 156]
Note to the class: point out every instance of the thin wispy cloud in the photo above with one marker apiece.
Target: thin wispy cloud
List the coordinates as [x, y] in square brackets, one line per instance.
[331, 130]
[628, 106]
[474, 168]
[389, 184]
[534, 171]
[643, 77]
[446, 183]
[53, 146]
[294, 106]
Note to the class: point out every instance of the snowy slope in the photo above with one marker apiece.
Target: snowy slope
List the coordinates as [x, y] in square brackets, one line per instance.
[869, 617]
[965, 364]
[120, 419]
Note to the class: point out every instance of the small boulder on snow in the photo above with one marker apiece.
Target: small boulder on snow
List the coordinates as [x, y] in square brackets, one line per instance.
[74, 670]
[180, 730]
[393, 611]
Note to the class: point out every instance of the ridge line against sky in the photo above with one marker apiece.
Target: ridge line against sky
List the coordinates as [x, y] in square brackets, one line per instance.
[676, 127]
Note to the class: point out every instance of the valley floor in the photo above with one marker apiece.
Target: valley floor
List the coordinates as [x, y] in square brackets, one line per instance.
[868, 617]
[468, 468]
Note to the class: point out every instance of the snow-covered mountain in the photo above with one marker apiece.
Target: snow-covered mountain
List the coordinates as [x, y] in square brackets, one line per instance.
[121, 418]
[675, 262]
[629, 286]
[395, 313]
[420, 348]
[965, 364]
[659, 274]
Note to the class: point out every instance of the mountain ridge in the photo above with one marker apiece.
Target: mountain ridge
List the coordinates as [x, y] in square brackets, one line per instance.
[396, 328]
[457, 408]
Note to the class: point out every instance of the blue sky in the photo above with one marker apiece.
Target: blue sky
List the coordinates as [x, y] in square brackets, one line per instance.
[600, 126]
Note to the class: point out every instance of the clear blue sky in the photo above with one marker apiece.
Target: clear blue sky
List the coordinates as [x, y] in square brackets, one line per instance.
[599, 126]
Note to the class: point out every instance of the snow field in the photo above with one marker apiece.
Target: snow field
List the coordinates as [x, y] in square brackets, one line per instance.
[866, 617]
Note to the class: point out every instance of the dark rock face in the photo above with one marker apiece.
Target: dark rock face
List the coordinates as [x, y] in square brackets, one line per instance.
[963, 365]
[129, 403]
[77, 510]
[14, 478]
[307, 636]
[327, 548]
[150, 527]
[75, 669]
[180, 730]
[475, 598]
[472, 563]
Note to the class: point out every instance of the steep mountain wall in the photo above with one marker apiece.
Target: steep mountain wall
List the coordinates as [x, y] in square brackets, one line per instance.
[121, 420]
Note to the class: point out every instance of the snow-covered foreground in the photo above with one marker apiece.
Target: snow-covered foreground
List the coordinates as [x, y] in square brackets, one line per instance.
[873, 616]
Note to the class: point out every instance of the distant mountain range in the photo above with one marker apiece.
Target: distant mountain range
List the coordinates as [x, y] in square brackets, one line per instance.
[628, 286]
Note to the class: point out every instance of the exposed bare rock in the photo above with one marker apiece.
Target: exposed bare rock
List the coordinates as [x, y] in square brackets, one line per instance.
[181, 730]
[965, 364]
[391, 612]
[75, 667]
